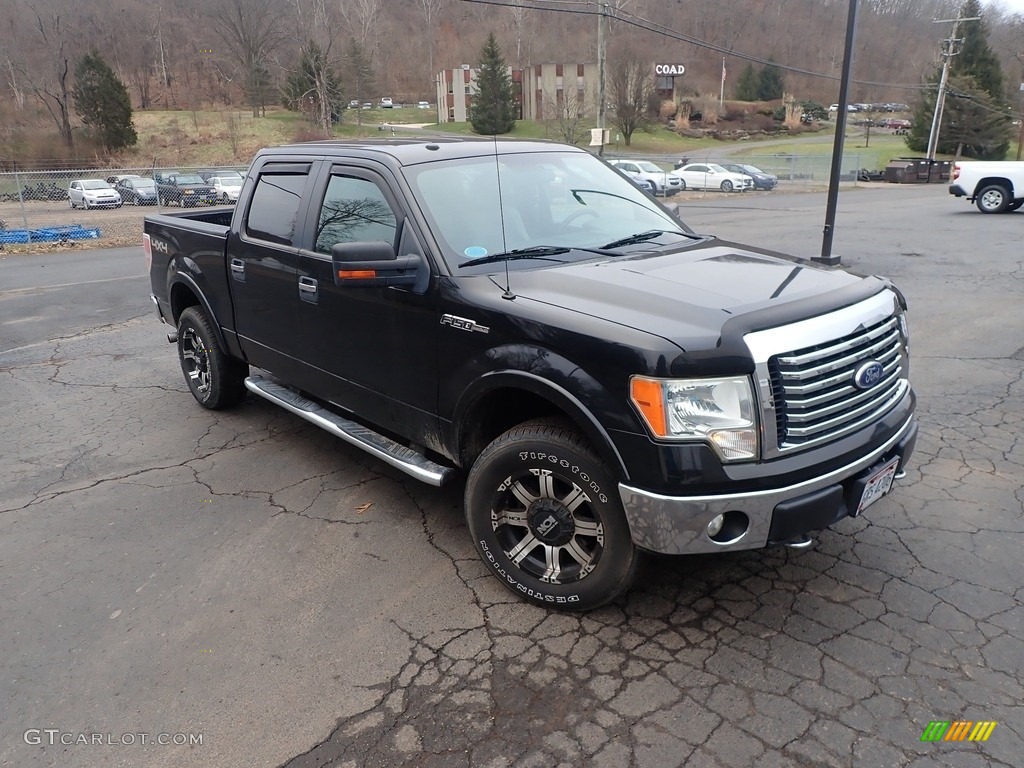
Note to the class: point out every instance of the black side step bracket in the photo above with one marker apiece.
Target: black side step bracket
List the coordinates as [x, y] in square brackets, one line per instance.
[384, 448]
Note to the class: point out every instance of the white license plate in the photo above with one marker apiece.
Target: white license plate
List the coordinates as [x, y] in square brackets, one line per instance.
[879, 484]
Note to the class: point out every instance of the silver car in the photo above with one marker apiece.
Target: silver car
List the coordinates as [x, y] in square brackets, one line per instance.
[93, 193]
[664, 183]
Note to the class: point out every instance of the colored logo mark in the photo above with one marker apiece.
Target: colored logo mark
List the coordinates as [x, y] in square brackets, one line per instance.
[958, 730]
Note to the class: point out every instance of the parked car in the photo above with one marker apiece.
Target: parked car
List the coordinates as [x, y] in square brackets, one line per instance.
[93, 193]
[762, 179]
[112, 180]
[386, 102]
[227, 185]
[185, 189]
[645, 184]
[712, 176]
[136, 190]
[423, 105]
[664, 183]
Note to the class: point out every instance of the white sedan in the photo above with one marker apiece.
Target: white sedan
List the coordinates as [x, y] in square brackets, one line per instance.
[93, 193]
[712, 176]
[227, 186]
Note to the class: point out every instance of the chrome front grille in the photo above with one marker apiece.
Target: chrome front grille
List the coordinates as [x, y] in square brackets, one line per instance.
[814, 392]
[805, 374]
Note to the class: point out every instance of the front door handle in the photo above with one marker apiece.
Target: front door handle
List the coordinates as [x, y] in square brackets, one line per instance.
[308, 290]
[238, 270]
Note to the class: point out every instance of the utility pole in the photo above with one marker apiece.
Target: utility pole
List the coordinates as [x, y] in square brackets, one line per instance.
[1020, 133]
[948, 53]
[601, 56]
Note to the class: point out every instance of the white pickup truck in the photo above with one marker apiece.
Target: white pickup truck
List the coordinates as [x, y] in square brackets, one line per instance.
[995, 187]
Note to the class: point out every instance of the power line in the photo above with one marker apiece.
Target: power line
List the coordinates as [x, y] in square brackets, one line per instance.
[572, 7]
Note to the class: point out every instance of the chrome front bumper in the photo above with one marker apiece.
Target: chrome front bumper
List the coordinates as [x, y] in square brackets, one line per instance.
[678, 525]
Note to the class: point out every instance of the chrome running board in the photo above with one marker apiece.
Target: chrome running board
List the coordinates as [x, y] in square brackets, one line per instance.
[384, 448]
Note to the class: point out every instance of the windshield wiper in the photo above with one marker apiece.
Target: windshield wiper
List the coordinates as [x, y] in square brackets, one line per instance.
[643, 237]
[533, 252]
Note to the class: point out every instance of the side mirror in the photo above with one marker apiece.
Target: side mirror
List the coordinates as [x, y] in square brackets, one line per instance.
[374, 264]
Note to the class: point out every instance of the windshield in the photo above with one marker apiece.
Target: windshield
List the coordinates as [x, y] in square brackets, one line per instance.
[717, 168]
[188, 178]
[230, 178]
[649, 167]
[751, 169]
[560, 199]
[95, 184]
[141, 183]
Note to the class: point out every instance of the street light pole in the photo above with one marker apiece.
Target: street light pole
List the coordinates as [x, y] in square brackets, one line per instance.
[837, 145]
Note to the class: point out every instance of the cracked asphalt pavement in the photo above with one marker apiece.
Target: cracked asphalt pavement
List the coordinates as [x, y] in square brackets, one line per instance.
[244, 576]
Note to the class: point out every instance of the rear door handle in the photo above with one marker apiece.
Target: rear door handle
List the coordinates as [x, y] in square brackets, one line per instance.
[238, 270]
[308, 289]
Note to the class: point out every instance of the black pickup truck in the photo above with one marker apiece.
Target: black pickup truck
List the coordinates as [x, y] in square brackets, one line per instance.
[184, 189]
[607, 380]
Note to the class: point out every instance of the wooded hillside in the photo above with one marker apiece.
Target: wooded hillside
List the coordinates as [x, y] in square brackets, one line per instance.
[192, 54]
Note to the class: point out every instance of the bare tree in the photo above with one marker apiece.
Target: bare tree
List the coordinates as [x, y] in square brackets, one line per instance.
[252, 30]
[431, 9]
[567, 118]
[630, 87]
[51, 81]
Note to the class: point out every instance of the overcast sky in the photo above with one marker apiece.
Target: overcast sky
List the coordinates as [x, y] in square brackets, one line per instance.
[1013, 6]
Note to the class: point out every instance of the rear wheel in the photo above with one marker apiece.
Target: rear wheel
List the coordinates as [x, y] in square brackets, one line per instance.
[546, 518]
[995, 198]
[215, 379]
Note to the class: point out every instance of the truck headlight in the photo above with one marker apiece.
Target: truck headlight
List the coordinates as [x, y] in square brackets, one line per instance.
[718, 411]
[904, 325]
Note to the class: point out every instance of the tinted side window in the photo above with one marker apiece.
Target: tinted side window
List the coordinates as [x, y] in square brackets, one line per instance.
[275, 207]
[354, 211]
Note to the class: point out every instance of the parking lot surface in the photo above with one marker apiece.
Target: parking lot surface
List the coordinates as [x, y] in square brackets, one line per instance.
[246, 578]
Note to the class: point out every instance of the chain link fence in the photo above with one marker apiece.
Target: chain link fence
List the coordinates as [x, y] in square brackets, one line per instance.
[36, 207]
[794, 172]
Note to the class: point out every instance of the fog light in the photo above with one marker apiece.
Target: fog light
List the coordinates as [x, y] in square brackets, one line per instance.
[716, 525]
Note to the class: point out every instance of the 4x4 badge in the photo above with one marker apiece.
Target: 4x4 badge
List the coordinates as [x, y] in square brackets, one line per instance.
[463, 324]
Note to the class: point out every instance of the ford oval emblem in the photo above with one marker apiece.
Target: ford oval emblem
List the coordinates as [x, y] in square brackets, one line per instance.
[868, 375]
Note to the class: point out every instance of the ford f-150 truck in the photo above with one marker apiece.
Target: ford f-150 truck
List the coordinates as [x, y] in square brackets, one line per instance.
[995, 187]
[606, 380]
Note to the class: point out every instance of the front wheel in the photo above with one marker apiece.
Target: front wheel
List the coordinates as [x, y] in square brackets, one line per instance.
[994, 198]
[727, 186]
[215, 380]
[682, 185]
[545, 516]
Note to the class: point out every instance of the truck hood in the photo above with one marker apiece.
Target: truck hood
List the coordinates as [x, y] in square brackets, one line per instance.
[684, 296]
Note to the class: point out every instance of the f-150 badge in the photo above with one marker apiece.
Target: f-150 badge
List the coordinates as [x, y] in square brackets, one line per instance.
[463, 324]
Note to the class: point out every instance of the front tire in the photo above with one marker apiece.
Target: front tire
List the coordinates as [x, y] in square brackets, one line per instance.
[995, 198]
[215, 380]
[727, 186]
[545, 516]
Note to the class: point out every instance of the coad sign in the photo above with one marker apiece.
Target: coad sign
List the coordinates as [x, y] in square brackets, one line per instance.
[669, 69]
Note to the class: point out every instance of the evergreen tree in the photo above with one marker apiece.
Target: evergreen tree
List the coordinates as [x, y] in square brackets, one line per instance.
[494, 105]
[102, 101]
[976, 59]
[748, 84]
[973, 123]
[770, 85]
[314, 86]
[359, 75]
